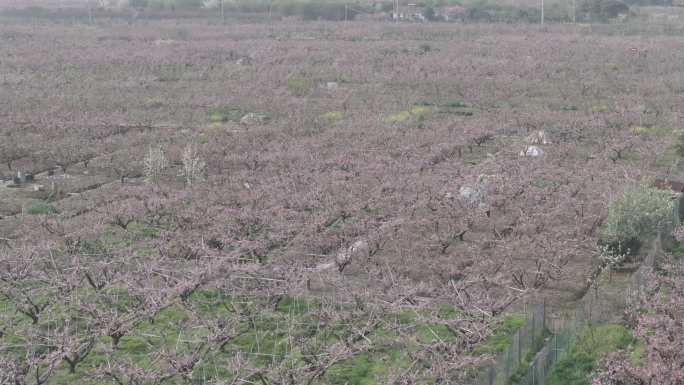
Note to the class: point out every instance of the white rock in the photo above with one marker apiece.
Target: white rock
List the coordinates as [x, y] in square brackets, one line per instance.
[472, 195]
[159, 42]
[244, 61]
[359, 249]
[254, 118]
[533, 151]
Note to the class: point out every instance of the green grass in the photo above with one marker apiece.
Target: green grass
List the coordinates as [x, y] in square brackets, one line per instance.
[455, 104]
[281, 334]
[586, 349]
[428, 333]
[298, 86]
[41, 207]
[416, 113]
[290, 305]
[457, 107]
[141, 230]
[528, 356]
[367, 368]
[498, 341]
[332, 117]
[225, 114]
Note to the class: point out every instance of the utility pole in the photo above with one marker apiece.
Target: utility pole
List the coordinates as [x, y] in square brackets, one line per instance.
[542, 12]
[346, 12]
[90, 12]
[574, 11]
[223, 15]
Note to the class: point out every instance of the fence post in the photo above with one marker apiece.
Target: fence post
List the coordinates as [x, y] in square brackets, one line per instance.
[534, 371]
[519, 346]
[555, 348]
[533, 327]
[507, 371]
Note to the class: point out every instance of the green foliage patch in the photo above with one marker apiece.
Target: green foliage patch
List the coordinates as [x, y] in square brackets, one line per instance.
[498, 341]
[584, 352]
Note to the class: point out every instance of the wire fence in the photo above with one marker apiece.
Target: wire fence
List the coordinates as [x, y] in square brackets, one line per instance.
[524, 342]
[544, 340]
[554, 348]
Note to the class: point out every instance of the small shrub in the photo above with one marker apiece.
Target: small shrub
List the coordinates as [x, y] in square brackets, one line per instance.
[639, 130]
[399, 117]
[625, 247]
[612, 256]
[424, 48]
[600, 108]
[416, 112]
[332, 117]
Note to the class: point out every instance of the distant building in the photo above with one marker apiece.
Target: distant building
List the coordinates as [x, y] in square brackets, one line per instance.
[453, 13]
[409, 12]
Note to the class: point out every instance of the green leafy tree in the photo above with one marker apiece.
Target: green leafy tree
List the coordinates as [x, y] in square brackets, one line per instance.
[637, 214]
[429, 13]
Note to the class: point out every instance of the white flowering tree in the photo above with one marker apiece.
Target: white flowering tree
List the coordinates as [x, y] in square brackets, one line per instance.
[193, 165]
[155, 163]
